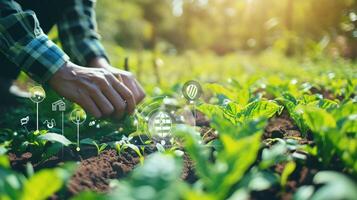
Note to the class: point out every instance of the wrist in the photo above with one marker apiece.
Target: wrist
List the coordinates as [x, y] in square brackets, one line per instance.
[99, 62]
[65, 71]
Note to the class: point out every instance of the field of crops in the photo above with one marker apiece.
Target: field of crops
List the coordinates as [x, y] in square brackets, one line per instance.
[265, 127]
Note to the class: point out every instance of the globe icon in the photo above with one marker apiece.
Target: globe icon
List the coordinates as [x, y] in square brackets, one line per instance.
[37, 94]
[160, 124]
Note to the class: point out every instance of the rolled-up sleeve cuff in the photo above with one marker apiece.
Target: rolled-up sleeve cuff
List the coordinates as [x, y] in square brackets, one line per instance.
[41, 58]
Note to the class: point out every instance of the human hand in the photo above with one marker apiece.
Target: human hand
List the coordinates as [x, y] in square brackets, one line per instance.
[97, 90]
[124, 76]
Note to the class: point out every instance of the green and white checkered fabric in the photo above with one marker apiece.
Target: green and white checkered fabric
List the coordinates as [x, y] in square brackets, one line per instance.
[23, 42]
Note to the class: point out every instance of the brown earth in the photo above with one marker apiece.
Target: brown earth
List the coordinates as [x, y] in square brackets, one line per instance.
[283, 127]
[95, 171]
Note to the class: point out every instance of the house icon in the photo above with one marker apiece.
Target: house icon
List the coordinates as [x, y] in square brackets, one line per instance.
[59, 106]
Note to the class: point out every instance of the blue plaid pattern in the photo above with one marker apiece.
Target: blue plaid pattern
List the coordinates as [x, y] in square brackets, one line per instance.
[23, 42]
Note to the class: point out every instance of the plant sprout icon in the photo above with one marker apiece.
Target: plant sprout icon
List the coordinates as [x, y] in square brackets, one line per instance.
[78, 117]
[192, 90]
[37, 95]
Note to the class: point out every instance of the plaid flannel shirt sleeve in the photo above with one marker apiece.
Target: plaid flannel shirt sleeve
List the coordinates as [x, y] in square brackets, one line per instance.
[23, 42]
[78, 32]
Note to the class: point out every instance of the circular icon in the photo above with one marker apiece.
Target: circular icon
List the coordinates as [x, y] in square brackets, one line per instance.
[37, 94]
[78, 116]
[160, 123]
[192, 90]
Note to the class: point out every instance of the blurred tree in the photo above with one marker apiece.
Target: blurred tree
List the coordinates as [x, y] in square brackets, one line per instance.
[224, 25]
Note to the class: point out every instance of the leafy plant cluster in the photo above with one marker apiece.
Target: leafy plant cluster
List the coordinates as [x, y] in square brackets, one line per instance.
[240, 164]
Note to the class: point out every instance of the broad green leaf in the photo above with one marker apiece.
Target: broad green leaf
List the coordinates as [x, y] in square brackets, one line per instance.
[87, 141]
[347, 150]
[259, 109]
[158, 178]
[197, 151]
[233, 161]
[318, 119]
[3, 150]
[42, 185]
[194, 195]
[214, 110]
[10, 184]
[54, 137]
[274, 155]
[209, 110]
[219, 89]
[346, 117]
[258, 180]
[336, 186]
[304, 193]
[4, 161]
[291, 103]
[325, 104]
[235, 157]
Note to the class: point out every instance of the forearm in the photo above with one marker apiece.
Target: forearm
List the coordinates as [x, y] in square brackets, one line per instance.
[78, 32]
[23, 42]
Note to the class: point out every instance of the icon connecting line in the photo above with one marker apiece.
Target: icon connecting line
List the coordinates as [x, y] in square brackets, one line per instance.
[78, 117]
[37, 95]
[192, 91]
[60, 105]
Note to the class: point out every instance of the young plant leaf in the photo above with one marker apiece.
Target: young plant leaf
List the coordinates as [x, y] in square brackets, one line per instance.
[54, 137]
[42, 185]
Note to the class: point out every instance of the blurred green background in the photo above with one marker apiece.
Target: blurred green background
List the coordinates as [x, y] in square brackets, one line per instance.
[175, 40]
[224, 26]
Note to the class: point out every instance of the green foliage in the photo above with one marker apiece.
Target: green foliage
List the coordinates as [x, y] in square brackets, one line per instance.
[122, 145]
[101, 147]
[288, 169]
[158, 179]
[334, 186]
[54, 137]
[42, 185]
[238, 151]
[334, 133]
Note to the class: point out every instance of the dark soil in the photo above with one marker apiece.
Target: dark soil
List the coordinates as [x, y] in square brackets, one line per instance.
[94, 173]
[283, 127]
[188, 171]
[325, 93]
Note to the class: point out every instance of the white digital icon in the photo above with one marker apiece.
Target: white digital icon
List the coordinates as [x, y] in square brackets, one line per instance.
[25, 120]
[160, 123]
[78, 117]
[37, 95]
[192, 90]
[60, 105]
[50, 123]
